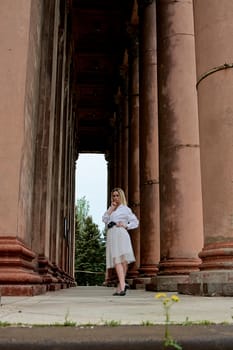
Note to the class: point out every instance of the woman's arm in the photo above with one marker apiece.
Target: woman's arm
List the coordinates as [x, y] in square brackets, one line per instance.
[133, 221]
[106, 216]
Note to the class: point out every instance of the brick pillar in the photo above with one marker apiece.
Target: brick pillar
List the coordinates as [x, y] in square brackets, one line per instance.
[180, 176]
[149, 173]
[213, 34]
[134, 178]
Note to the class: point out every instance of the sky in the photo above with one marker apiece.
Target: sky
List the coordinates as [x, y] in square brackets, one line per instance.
[91, 182]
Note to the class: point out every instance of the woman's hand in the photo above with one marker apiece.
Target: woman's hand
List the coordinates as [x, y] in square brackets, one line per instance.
[121, 224]
[112, 207]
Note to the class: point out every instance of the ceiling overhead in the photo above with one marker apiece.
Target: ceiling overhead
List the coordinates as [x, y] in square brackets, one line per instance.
[99, 37]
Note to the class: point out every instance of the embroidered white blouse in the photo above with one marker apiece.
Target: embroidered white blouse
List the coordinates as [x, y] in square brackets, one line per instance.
[122, 214]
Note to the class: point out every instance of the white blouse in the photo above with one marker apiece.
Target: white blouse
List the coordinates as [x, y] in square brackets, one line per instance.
[124, 214]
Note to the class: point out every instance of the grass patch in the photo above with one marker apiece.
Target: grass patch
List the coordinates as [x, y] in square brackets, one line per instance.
[112, 323]
[4, 324]
[187, 322]
[147, 323]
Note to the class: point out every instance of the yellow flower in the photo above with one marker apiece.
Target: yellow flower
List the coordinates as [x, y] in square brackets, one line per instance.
[166, 301]
[160, 295]
[175, 298]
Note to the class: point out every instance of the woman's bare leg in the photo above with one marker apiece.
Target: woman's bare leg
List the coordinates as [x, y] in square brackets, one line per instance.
[125, 267]
[105, 283]
[121, 275]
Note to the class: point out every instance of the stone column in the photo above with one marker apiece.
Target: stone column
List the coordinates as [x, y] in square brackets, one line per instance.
[108, 159]
[149, 172]
[56, 242]
[110, 274]
[125, 128]
[69, 188]
[213, 33]
[20, 37]
[115, 157]
[44, 140]
[180, 177]
[134, 178]
[118, 141]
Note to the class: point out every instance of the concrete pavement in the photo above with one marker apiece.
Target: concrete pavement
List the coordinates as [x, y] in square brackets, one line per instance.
[96, 305]
[83, 318]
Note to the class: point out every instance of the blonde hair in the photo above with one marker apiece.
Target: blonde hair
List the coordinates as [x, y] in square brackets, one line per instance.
[121, 194]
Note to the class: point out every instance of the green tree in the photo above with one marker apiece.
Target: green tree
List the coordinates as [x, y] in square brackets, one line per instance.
[89, 248]
[82, 210]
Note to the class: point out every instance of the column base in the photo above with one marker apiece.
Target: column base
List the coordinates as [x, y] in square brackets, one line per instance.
[22, 274]
[132, 273]
[17, 271]
[208, 283]
[46, 270]
[53, 276]
[22, 290]
[139, 282]
[166, 283]
[178, 266]
[148, 270]
[217, 256]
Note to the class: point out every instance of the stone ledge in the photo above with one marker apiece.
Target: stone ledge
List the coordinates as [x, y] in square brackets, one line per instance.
[206, 289]
[191, 337]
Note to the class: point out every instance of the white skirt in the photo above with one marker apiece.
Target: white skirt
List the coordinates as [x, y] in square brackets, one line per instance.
[118, 247]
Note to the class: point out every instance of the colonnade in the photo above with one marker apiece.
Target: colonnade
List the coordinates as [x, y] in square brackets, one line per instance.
[172, 148]
[179, 114]
[38, 149]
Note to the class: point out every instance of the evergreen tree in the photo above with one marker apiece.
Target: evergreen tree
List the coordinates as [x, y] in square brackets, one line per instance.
[89, 248]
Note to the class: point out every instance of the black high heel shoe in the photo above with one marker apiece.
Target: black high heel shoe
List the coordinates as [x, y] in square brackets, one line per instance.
[127, 287]
[120, 294]
[123, 292]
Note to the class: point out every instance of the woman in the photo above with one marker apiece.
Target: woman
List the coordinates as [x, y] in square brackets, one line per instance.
[119, 252]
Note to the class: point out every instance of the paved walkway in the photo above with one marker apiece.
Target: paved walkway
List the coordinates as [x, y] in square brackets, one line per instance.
[37, 323]
[96, 305]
